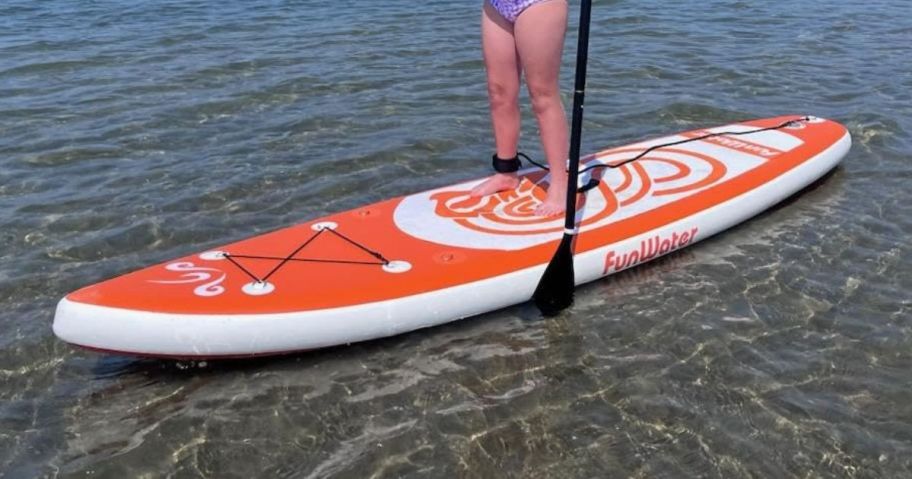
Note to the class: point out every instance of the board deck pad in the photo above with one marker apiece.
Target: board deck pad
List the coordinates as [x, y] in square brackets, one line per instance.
[436, 256]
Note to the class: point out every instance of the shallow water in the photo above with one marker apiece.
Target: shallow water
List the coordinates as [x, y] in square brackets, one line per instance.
[135, 132]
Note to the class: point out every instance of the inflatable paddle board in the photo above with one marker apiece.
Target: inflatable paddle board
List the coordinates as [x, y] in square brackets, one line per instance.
[433, 257]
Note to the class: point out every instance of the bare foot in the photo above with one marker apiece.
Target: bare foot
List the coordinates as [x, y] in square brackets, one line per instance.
[556, 200]
[497, 183]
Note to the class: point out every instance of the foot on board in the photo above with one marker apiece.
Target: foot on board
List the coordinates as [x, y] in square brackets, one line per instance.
[555, 202]
[495, 184]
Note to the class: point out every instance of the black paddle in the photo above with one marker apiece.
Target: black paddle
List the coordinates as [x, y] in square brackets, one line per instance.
[554, 292]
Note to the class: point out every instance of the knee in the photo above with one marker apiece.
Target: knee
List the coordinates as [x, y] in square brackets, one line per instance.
[502, 96]
[545, 97]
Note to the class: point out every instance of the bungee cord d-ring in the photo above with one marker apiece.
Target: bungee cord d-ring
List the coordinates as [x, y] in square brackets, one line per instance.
[261, 285]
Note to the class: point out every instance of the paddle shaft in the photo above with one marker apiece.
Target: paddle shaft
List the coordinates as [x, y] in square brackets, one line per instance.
[555, 288]
[576, 128]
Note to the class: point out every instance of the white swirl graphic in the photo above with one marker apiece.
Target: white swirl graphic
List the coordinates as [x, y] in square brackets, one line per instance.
[196, 274]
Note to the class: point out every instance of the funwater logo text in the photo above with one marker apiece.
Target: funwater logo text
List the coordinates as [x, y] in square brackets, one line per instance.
[649, 248]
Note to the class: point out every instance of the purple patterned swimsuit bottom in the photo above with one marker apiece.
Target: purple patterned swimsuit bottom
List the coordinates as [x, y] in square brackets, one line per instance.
[510, 9]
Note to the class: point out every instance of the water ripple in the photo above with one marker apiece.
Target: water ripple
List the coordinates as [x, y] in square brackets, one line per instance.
[135, 132]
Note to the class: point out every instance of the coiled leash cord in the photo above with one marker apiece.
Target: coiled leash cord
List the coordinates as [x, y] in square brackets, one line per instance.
[594, 182]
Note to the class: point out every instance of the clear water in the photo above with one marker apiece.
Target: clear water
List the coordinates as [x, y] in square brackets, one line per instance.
[133, 132]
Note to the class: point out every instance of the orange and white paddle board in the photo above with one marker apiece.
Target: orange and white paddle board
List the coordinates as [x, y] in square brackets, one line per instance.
[437, 256]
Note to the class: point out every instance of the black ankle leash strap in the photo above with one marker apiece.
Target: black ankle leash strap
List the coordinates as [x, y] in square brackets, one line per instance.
[510, 165]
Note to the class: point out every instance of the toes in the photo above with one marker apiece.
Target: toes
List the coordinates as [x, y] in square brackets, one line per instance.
[483, 189]
[547, 210]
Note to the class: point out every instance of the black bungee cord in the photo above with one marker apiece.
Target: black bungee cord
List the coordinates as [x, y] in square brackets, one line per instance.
[283, 260]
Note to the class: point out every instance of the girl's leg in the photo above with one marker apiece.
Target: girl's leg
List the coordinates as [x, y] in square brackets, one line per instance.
[539, 33]
[503, 72]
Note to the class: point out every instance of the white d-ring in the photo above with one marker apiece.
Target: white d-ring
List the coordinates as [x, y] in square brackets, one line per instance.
[258, 288]
[397, 266]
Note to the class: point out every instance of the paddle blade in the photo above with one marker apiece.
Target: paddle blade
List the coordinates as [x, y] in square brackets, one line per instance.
[555, 288]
